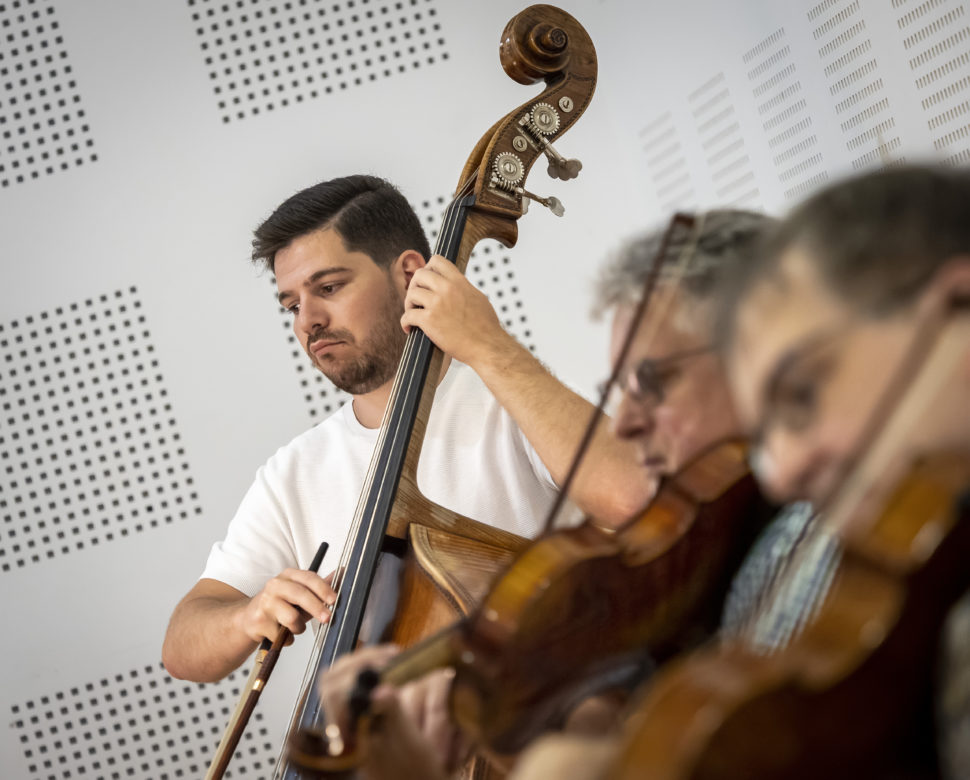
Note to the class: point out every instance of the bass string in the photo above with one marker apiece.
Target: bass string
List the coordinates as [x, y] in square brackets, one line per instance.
[404, 384]
[369, 479]
[339, 621]
[349, 567]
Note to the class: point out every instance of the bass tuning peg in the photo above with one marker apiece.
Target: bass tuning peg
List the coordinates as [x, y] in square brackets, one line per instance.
[559, 166]
[544, 121]
[553, 204]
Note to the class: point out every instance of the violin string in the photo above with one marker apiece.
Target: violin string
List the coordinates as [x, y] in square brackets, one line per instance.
[353, 573]
[344, 564]
[353, 570]
[375, 456]
[404, 380]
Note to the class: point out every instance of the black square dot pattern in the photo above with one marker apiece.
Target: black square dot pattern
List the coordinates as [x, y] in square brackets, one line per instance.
[89, 448]
[863, 107]
[43, 128]
[138, 724]
[935, 35]
[265, 55]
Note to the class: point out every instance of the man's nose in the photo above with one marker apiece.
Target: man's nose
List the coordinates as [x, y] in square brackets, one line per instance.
[633, 417]
[312, 316]
[782, 464]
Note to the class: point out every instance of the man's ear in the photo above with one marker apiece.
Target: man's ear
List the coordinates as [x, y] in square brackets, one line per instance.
[404, 265]
[949, 286]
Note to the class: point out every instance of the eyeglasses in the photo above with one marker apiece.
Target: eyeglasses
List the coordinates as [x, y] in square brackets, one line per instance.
[647, 380]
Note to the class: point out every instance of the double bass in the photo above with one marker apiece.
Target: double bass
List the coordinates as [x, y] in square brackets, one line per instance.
[440, 562]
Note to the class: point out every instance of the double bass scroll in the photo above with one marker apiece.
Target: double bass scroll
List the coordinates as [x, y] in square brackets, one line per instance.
[541, 43]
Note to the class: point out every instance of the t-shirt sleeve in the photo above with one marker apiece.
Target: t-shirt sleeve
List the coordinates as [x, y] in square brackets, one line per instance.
[541, 472]
[569, 514]
[259, 542]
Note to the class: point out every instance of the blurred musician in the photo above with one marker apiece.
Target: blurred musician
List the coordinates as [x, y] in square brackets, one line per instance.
[815, 333]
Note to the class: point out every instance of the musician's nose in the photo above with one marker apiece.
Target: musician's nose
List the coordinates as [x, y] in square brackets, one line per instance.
[786, 465]
[312, 315]
[634, 417]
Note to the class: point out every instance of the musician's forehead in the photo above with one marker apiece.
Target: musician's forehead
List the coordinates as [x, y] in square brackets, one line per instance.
[672, 323]
[781, 314]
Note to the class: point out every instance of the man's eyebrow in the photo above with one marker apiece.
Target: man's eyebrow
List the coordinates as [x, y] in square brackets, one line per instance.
[315, 277]
[790, 357]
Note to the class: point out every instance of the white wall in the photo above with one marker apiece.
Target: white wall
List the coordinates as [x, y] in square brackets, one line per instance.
[699, 103]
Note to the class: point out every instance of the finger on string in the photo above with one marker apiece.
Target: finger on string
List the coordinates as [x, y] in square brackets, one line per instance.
[299, 597]
[414, 318]
[418, 298]
[424, 278]
[443, 267]
[319, 586]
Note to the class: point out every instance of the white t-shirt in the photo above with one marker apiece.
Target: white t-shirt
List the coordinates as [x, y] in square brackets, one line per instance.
[474, 461]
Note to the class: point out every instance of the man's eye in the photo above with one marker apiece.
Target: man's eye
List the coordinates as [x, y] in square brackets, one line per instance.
[330, 289]
[656, 381]
[796, 403]
[293, 308]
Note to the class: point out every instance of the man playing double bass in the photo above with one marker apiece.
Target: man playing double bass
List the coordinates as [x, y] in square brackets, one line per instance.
[352, 266]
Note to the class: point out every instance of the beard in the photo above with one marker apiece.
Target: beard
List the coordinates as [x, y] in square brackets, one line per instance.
[378, 353]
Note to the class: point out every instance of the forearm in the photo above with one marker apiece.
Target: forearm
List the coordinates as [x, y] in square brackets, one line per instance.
[204, 641]
[610, 485]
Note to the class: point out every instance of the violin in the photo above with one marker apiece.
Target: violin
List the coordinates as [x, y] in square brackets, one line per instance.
[444, 561]
[848, 695]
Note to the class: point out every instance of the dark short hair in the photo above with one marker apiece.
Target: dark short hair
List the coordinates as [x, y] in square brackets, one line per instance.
[369, 214]
[876, 239]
